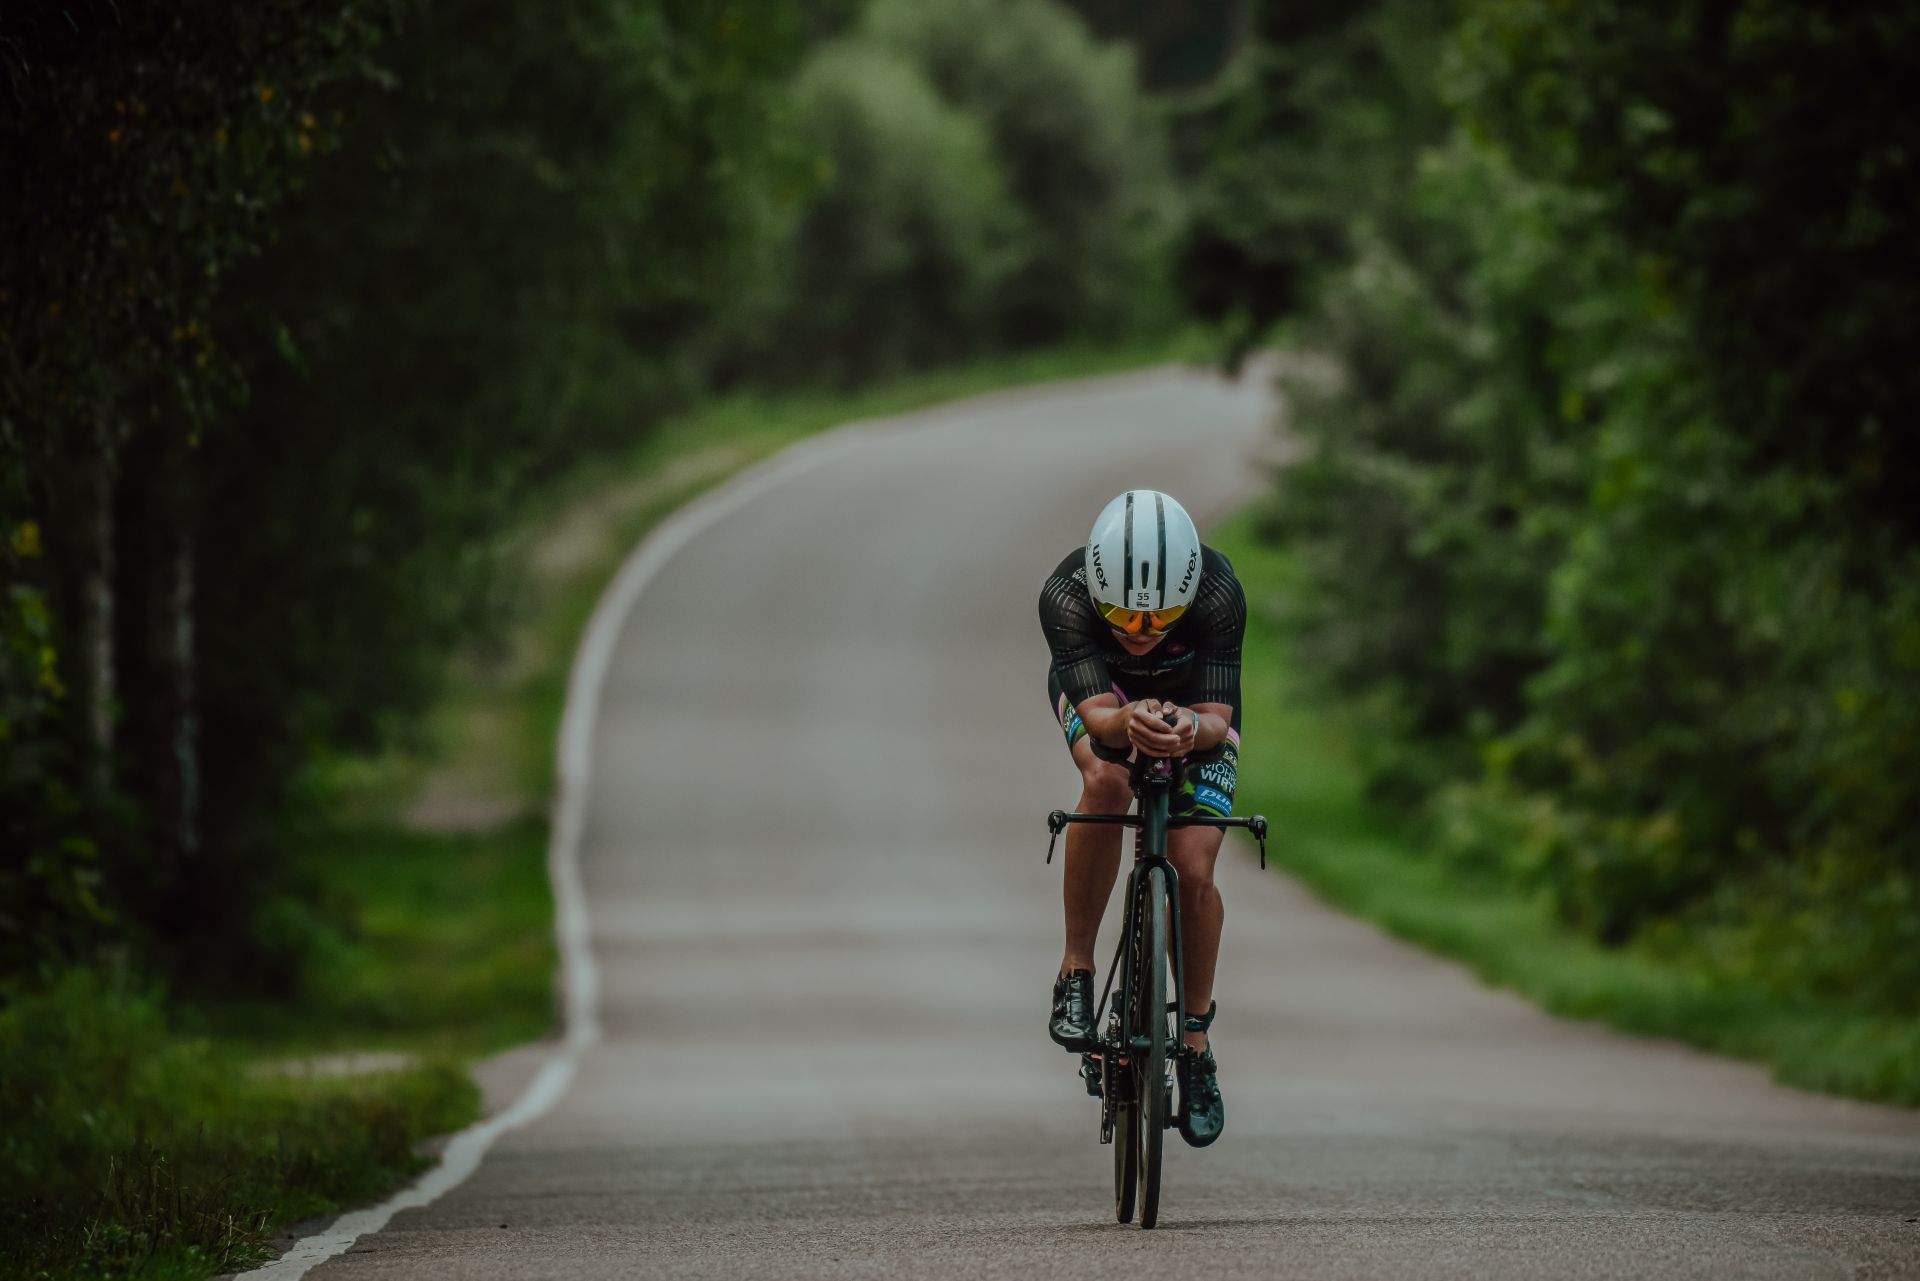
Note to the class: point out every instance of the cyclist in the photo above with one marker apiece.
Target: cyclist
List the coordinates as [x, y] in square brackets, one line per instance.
[1144, 622]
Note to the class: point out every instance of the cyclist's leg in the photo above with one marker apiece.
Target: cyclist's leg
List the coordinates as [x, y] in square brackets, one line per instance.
[1093, 852]
[1207, 788]
[1193, 852]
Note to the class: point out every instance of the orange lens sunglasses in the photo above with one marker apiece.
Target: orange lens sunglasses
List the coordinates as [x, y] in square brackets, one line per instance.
[1138, 622]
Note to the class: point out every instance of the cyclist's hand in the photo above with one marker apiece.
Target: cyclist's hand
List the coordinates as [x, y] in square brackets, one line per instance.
[1148, 730]
[1185, 725]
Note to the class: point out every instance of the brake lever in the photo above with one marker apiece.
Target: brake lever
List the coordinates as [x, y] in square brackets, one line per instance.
[1056, 824]
[1258, 826]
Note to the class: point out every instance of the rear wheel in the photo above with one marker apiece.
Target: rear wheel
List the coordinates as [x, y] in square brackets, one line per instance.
[1150, 1021]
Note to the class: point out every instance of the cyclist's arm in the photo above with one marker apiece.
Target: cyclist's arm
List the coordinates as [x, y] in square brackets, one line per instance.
[1106, 719]
[1210, 724]
[1223, 606]
[1138, 724]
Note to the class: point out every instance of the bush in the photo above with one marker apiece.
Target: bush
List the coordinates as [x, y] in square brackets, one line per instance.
[1083, 153]
[897, 262]
[991, 178]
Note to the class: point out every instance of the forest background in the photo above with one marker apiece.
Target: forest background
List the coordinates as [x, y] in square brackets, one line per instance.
[1605, 546]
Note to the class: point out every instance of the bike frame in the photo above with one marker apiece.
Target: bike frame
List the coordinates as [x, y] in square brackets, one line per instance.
[1152, 781]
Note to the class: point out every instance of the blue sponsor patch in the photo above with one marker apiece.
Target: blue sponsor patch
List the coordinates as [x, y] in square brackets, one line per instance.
[1212, 798]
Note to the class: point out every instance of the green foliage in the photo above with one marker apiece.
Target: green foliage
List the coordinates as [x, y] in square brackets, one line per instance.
[147, 153]
[898, 262]
[1083, 153]
[130, 1146]
[1180, 47]
[1303, 768]
[1607, 529]
[1755, 157]
[1302, 151]
[442, 940]
[49, 882]
[311, 301]
[308, 300]
[992, 179]
[509, 270]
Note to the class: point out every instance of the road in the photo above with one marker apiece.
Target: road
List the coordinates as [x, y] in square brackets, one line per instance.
[812, 851]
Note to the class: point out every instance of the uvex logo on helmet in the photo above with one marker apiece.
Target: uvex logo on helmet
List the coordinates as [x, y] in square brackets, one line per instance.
[1150, 538]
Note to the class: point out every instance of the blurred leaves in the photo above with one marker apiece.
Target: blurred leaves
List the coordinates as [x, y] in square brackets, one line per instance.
[302, 303]
[308, 296]
[1607, 529]
[993, 179]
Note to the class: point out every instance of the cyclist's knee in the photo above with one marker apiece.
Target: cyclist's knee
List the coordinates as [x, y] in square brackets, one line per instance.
[1106, 787]
[1194, 851]
[1198, 878]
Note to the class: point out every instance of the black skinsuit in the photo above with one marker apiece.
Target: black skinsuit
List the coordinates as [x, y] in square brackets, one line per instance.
[1198, 662]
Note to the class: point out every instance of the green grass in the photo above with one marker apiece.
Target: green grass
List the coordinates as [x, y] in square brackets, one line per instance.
[1301, 773]
[154, 1139]
[132, 1150]
[435, 943]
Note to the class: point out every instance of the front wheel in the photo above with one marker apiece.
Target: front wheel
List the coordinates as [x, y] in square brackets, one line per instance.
[1126, 1157]
[1148, 1021]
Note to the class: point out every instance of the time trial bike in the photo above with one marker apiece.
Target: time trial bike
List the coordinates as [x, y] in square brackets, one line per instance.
[1131, 1069]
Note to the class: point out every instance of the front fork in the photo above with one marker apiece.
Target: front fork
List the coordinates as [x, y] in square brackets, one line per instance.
[1150, 849]
[1100, 1071]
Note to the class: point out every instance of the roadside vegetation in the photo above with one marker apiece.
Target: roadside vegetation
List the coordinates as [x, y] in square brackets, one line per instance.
[1606, 538]
[1310, 778]
[134, 1149]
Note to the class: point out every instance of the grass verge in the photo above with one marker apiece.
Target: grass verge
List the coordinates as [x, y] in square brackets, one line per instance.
[147, 1138]
[133, 1150]
[1303, 776]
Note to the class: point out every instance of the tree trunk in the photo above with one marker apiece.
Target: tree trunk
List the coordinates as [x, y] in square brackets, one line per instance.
[185, 673]
[100, 599]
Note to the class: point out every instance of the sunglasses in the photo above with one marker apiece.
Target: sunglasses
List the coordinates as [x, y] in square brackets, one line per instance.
[1141, 622]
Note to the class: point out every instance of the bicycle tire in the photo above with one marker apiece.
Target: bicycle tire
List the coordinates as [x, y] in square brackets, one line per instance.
[1150, 1019]
[1126, 1157]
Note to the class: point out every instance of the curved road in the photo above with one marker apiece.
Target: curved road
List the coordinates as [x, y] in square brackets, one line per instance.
[813, 860]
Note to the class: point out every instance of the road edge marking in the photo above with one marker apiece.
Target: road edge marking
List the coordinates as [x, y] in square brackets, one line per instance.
[579, 975]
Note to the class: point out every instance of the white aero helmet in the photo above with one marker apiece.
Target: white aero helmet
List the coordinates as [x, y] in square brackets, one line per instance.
[1143, 562]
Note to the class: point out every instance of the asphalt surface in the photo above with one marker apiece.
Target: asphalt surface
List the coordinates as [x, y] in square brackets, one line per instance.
[826, 937]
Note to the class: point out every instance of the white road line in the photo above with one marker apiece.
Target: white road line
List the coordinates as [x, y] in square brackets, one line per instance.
[580, 978]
